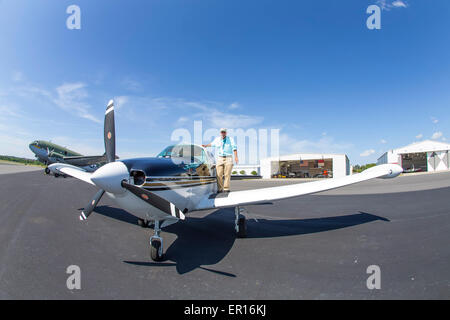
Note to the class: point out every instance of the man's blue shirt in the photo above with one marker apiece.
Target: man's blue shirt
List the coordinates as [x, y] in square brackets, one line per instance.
[224, 147]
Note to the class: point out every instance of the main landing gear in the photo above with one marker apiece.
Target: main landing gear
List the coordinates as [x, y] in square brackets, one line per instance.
[144, 223]
[156, 244]
[47, 170]
[240, 224]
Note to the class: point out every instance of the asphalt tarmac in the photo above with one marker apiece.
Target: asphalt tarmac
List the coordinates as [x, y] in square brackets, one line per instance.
[312, 247]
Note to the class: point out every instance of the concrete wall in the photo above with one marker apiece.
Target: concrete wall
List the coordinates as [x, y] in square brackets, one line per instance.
[247, 168]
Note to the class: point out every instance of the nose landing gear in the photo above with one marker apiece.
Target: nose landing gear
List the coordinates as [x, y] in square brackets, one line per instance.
[156, 244]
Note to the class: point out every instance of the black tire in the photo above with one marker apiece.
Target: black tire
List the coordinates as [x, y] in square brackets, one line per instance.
[242, 224]
[56, 175]
[154, 250]
[47, 171]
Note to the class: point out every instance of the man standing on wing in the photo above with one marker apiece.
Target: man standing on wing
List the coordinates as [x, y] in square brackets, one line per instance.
[225, 147]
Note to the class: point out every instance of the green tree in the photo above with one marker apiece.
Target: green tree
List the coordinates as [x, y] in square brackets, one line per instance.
[254, 173]
[358, 168]
[242, 172]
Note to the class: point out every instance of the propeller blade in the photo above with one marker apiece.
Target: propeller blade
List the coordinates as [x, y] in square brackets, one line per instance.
[154, 200]
[88, 210]
[110, 133]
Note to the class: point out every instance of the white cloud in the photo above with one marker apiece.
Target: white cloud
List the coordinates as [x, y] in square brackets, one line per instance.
[131, 84]
[221, 119]
[233, 106]
[434, 120]
[9, 111]
[382, 141]
[120, 102]
[419, 136]
[17, 76]
[367, 153]
[325, 144]
[182, 120]
[15, 146]
[388, 5]
[399, 4]
[70, 97]
[436, 135]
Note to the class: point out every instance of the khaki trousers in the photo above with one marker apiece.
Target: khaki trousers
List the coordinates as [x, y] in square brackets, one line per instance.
[223, 169]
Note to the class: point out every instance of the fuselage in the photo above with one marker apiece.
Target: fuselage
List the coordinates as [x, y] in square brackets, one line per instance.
[182, 180]
[48, 152]
[174, 179]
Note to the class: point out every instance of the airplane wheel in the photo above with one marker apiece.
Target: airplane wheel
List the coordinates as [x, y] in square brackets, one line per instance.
[155, 250]
[141, 223]
[56, 175]
[47, 171]
[242, 224]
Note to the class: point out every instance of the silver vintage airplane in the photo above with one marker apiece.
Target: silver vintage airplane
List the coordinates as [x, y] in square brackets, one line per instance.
[182, 179]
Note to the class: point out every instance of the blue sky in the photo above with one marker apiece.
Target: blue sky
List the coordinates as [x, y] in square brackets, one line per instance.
[309, 68]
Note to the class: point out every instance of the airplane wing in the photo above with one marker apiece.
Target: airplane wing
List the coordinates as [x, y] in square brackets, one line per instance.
[255, 196]
[84, 160]
[72, 171]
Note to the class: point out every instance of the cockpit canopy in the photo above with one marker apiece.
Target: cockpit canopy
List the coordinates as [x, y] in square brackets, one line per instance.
[189, 153]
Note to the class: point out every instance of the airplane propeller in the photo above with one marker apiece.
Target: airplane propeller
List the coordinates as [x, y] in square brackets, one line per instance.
[110, 177]
[110, 151]
[88, 210]
[110, 133]
[154, 200]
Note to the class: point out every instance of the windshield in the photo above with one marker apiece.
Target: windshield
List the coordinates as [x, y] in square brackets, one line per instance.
[191, 153]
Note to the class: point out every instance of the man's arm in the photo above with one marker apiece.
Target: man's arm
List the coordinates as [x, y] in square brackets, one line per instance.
[235, 156]
[209, 144]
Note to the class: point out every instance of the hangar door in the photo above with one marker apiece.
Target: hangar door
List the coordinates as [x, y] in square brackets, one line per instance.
[320, 168]
[414, 162]
[438, 161]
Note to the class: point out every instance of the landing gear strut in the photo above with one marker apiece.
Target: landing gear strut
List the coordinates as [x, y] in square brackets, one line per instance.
[240, 224]
[156, 244]
[144, 223]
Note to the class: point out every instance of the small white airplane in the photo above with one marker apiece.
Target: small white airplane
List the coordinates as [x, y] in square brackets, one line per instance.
[182, 179]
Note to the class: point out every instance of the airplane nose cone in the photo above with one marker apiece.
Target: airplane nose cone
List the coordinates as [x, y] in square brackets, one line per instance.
[109, 177]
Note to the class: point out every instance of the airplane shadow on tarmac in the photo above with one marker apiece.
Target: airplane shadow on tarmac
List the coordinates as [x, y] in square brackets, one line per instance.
[206, 241]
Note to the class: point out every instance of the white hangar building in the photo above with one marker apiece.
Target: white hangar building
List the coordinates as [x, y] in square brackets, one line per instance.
[306, 165]
[426, 155]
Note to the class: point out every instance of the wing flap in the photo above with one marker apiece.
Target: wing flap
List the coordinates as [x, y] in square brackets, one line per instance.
[72, 171]
[284, 192]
